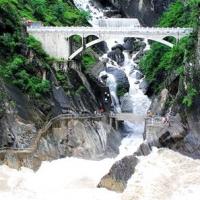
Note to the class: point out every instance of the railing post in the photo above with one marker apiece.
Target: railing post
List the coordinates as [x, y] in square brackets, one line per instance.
[69, 47]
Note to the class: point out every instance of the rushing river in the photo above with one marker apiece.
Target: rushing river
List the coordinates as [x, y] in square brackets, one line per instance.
[163, 175]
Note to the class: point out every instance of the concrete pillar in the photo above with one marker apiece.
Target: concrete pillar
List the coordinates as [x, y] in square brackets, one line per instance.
[84, 43]
[110, 121]
[116, 125]
[69, 47]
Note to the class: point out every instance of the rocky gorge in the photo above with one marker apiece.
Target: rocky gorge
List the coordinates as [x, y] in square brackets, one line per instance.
[35, 125]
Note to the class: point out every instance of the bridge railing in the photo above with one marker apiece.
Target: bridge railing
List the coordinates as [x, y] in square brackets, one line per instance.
[46, 127]
[109, 29]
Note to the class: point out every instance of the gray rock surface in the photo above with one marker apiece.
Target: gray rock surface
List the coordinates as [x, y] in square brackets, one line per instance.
[126, 104]
[119, 174]
[116, 55]
[144, 86]
[120, 76]
[147, 11]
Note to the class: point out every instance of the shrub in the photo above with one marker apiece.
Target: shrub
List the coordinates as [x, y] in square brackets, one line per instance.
[191, 93]
[88, 61]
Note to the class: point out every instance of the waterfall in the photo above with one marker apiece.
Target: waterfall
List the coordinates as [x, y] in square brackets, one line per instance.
[115, 22]
[112, 84]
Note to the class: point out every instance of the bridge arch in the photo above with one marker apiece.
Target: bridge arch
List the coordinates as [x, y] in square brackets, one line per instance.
[90, 44]
[94, 42]
[56, 40]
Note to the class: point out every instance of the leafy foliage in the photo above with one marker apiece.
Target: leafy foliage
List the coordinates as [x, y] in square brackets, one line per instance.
[121, 90]
[191, 93]
[88, 61]
[181, 14]
[54, 12]
[161, 61]
[22, 59]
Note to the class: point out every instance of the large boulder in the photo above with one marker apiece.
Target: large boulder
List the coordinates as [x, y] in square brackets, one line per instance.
[144, 85]
[116, 55]
[119, 174]
[147, 11]
[158, 105]
[120, 76]
[126, 104]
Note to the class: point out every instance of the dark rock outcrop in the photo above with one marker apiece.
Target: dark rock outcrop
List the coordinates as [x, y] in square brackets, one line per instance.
[144, 86]
[87, 139]
[120, 76]
[116, 55]
[21, 119]
[119, 174]
[147, 11]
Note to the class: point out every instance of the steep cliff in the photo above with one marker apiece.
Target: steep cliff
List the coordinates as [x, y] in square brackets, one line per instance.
[173, 74]
[147, 11]
[36, 88]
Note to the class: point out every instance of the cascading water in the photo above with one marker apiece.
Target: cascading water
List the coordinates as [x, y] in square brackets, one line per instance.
[163, 174]
[112, 84]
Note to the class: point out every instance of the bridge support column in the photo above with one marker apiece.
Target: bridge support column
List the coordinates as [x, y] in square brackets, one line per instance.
[116, 125]
[69, 47]
[84, 43]
[110, 121]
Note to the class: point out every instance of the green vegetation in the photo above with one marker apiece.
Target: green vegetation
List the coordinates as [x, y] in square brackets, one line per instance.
[181, 14]
[80, 90]
[88, 61]
[53, 12]
[63, 79]
[161, 61]
[191, 93]
[121, 90]
[22, 59]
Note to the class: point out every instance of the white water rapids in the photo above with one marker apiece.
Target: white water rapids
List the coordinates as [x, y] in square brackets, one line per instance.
[163, 175]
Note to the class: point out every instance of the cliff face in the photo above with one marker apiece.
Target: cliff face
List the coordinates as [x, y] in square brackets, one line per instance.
[147, 11]
[22, 118]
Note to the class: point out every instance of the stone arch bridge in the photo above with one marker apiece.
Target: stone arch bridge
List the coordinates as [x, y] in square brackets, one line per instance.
[56, 40]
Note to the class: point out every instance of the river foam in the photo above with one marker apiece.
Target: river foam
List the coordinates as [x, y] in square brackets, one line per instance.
[163, 175]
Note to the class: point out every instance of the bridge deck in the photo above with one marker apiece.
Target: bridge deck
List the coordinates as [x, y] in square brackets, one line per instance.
[56, 40]
[110, 30]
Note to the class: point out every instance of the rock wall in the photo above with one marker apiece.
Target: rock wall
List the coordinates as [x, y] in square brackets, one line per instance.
[21, 118]
[147, 11]
[78, 138]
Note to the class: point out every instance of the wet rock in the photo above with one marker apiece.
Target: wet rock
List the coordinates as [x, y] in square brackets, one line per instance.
[144, 149]
[144, 86]
[118, 46]
[117, 56]
[126, 104]
[147, 12]
[104, 77]
[120, 76]
[119, 174]
[138, 75]
[158, 105]
[137, 82]
[129, 44]
[110, 13]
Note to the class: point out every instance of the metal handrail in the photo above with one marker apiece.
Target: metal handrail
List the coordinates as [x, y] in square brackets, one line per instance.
[46, 127]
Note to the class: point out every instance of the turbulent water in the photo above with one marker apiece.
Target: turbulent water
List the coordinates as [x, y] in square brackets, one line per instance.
[163, 175]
